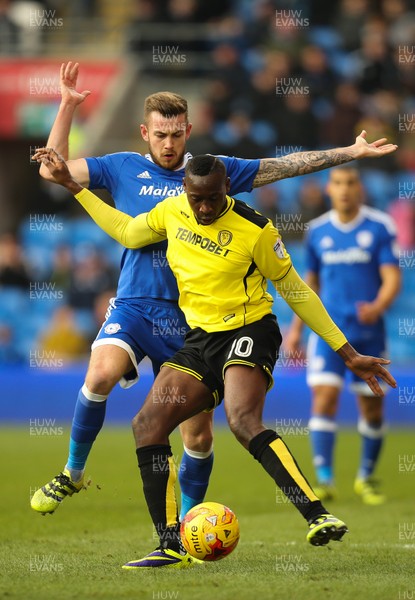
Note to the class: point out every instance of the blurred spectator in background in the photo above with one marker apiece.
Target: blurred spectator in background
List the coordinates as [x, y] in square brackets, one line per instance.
[403, 213]
[277, 67]
[63, 339]
[91, 276]
[262, 95]
[316, 73]
[182, 11]
[32, 17]
[228, 67]
[14, 270]
[375, 66]
[202, 140]
[219, 95]
[349, 20]
[266, 202]
[285, 33]
[141, 34]
[311, 200]
[342, 121]
[61, 273]
[400, 17]
[181, 15]
[403, 57]
[238, 136]
[297, 126]
[259, 26]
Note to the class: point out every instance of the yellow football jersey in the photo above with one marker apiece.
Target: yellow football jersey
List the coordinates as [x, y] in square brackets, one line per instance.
[221, 268]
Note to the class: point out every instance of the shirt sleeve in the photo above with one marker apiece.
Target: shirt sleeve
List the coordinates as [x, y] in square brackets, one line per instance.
[274, 262]
[308, 306]
[311, 258]
[241, 172]
[130, 232]
[104, 171]
[388, 253]
[270, 255]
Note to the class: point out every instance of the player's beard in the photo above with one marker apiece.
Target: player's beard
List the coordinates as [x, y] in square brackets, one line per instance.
[172, 166]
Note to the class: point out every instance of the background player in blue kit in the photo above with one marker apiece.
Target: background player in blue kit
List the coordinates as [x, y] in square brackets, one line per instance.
[147, 294]
[352, 263]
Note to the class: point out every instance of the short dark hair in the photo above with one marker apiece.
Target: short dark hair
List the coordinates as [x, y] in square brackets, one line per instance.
[205, 164]
[345, 168]
[167, 104]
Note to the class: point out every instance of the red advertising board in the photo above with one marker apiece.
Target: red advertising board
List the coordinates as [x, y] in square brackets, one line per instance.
[29, 93]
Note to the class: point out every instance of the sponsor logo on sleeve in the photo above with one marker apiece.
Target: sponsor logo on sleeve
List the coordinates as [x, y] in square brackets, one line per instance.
[279, 249]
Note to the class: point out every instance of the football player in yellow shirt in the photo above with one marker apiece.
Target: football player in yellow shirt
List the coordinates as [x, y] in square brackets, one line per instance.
[222, 253]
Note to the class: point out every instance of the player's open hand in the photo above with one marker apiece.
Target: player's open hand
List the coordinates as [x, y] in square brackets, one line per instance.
[57, 167]
[292, 342]
[374, 150]
[369, 368]
[368, 313]
[68, 78]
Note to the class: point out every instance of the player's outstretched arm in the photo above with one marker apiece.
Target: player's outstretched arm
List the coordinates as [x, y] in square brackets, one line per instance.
[292, 338]
[301, 163]
[128, 231]
[59, 134]
[308, 306]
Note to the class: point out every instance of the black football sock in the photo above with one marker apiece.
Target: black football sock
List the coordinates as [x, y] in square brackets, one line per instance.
[269, 449]
[158, 473]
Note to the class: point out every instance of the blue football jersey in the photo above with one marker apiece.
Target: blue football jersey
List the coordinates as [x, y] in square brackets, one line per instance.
[346, 257]
[137, 184]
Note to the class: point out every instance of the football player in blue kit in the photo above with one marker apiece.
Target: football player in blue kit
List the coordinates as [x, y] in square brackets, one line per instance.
[352, 263]
[144, 319]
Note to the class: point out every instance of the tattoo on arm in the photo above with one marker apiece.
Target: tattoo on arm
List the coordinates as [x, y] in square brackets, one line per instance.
[299, 163]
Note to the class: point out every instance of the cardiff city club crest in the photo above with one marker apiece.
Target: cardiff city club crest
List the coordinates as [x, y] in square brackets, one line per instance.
[224, 237]
[112, 328]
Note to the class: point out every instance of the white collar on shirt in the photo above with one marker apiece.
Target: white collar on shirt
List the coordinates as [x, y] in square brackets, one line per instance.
[186, 158]
[346, 227]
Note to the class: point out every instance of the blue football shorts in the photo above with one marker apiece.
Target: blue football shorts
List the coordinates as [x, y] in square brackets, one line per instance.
[325, 367]
[143, 328]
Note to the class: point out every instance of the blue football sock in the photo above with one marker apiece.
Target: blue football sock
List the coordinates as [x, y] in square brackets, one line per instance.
[323, 437]
[87, 422]
[372, 440]
[194, 473]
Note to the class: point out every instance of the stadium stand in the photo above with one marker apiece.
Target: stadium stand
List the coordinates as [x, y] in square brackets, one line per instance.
[337, 71]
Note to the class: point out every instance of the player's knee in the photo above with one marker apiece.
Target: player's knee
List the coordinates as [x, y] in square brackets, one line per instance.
[101, 378]
[325, 401]
[140, 424]
[197, 432]
[146, 430]
[372, 411]
[200, 442]
[243, 425]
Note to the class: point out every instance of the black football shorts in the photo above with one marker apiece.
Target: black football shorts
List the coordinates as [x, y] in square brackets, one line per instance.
[206, 356]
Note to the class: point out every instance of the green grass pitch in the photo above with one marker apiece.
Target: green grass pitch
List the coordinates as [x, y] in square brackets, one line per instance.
[78, 551]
